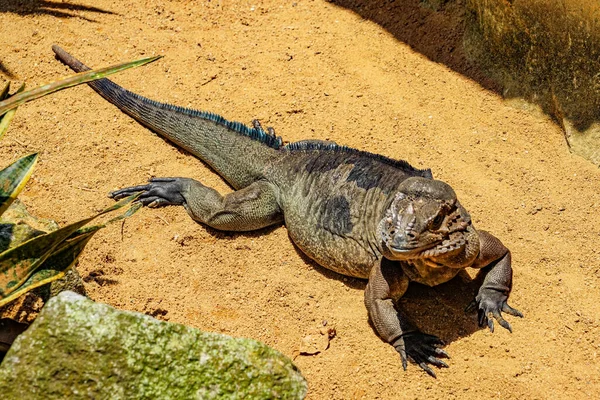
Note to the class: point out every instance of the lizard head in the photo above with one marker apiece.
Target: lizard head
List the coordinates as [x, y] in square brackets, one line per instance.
[425, 221]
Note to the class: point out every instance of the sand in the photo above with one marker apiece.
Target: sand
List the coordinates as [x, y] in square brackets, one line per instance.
[383, 77]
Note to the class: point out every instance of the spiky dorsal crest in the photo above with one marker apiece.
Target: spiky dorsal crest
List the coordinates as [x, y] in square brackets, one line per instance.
[307, 146]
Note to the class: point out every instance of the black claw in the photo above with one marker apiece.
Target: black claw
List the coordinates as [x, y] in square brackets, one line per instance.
[490, 323]
[481, 315]
[158, 193]
[147, 201]
[122, 193]
[427, 369]
[400, 348]
[503, 323]
[512, 311]
[422, 349]
[156, 203]
[118, 195]
[160, 202]
[437, 362]
[472, 306]
[490, 305]
[441, 352]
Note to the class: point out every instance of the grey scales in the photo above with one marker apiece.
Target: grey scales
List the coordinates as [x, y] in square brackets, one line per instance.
[353, 212]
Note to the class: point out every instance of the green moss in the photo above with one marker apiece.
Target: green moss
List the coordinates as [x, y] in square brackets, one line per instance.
[79, 349]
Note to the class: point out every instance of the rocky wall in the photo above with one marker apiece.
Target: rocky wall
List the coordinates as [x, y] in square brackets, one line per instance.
[547, 52]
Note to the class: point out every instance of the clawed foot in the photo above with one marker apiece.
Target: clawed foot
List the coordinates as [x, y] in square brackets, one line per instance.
[159, 192]
[422, 349]
[490, 304]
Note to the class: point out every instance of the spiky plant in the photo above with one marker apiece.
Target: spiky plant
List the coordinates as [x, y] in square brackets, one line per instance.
[46, 256]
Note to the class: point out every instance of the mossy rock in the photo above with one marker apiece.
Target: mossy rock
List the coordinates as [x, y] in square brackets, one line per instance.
[80, 349]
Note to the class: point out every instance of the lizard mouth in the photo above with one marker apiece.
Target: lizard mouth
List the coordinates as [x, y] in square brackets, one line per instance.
[446, 247]
[437, 249]
[412, 251]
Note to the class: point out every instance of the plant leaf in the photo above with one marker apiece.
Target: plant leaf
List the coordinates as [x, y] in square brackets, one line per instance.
[4, 92]
[6, 118]
[73, 80]
[13, 178]
[17, 264]
[55, 266]
[130, 211]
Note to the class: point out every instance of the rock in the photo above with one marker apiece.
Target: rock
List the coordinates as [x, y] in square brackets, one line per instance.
[317, 341]
[71, 281]
[435, 5]
[80, 349]
[544, 51]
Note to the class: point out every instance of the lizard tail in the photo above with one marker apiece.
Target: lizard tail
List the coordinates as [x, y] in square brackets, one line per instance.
[235, 151]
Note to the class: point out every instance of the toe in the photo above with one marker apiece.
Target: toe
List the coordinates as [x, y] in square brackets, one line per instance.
[490, 322]
[122, 193]
[427, 369]
[441, 352]
[512, 311]
[148, 200]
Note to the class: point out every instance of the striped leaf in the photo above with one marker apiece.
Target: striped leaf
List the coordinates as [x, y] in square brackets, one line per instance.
[6, 118]
[4, 92]
[55, 266]
[73, 80]
[19, 263]
[13, 178]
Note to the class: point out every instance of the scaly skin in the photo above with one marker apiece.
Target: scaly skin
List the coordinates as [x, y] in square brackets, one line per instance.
[356, 213]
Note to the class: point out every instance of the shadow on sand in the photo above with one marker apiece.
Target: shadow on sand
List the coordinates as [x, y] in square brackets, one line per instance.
[42, 7]
[55, 9]
[438, 310]
[437, 35]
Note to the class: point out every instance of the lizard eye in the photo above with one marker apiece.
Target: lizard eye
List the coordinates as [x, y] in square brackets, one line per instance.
[437, 221]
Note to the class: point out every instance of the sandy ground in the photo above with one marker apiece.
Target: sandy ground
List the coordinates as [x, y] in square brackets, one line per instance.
[384, 77]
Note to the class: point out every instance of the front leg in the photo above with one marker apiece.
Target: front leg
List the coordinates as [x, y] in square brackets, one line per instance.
[387, 283]
[250, 208]
[492, 297]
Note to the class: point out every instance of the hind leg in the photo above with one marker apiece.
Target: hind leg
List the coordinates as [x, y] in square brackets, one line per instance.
[247, 209]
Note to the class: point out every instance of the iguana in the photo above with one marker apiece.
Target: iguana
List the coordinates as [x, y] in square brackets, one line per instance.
[356, 213]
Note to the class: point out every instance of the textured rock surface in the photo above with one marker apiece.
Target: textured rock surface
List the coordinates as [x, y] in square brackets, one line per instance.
[545, 51]
[80, 349]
